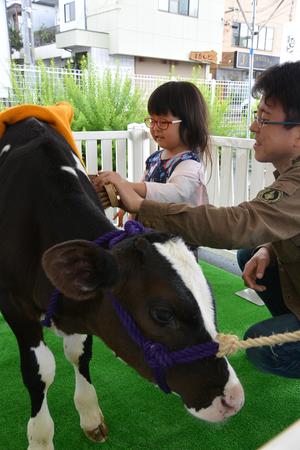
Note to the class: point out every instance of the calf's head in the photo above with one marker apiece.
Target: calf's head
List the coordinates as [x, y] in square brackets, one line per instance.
[157, 281]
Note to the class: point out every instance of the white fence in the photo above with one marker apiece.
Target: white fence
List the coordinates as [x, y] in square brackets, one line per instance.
[235, 175]
[228, 99]
[236, 91]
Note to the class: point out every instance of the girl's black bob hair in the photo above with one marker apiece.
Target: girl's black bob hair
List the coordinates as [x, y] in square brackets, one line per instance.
[184, 100]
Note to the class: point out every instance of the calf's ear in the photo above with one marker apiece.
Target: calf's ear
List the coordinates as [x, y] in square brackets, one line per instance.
[80, 268]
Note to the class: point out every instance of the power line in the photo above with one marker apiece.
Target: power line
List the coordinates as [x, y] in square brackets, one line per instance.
[285, 10]
[272, 14]
[243, 14]
[265, 22]
[265, 8]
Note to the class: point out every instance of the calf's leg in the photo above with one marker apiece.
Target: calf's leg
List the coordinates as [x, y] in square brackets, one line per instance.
[38, 370]
[78, 350]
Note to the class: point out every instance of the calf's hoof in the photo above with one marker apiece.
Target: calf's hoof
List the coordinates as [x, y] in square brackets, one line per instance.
[99, 434]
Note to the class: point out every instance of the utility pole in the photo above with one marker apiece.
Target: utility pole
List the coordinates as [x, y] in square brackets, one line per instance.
[5, 83]
[27, 33]
[251, 64]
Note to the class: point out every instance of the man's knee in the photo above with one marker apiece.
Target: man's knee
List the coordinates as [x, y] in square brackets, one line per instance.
[282, 360]
[255, 330]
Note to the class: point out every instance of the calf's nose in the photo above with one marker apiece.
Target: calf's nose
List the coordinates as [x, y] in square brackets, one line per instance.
[233, 399]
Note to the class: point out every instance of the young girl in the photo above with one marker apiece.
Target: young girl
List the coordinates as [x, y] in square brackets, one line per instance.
[178, 122]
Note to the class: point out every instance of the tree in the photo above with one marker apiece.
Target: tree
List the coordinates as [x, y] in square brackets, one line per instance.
[15, 39]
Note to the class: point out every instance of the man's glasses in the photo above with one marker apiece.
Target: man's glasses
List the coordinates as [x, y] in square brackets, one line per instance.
[262, 122]
[162, 124]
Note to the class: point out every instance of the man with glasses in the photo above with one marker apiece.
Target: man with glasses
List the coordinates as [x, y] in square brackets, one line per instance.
[269, 224]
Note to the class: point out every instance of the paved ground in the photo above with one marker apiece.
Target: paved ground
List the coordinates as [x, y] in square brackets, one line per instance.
[225, 259]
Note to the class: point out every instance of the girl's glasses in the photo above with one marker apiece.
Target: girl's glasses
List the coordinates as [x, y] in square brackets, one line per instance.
[262, 122]
[161, 123]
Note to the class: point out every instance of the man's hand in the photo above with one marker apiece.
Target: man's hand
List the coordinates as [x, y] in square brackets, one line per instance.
[107, 194]
[255, 269]
[129, 199]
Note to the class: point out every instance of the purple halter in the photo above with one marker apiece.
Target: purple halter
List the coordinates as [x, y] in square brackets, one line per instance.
[156, 355]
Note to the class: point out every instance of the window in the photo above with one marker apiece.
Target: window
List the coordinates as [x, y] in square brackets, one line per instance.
[163, 5]
[262, 39]
[193, 8]
[235, 34]
[182, 7]
[241, 37]
[244, 36]
[69, 12]
[269, 39]
[173, 6]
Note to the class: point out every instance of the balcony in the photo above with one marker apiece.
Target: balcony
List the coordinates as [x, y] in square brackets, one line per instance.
[78, 39]
[45, 36]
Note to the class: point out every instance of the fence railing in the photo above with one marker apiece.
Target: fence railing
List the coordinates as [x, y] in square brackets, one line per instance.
[235, 175]
[236, 91]
[228, 99]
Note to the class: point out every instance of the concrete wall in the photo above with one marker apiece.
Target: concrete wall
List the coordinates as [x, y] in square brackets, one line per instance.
[138, 28]
[102, 59]
[291, 38]
[165, 67]
[42, 16]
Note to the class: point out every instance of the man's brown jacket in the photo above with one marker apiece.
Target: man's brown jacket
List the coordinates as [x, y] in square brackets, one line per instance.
[273, 217]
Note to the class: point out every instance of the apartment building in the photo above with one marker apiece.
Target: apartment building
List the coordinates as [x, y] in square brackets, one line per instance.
[274, 36]
[159, 37]
[144, 36]
[43, 22]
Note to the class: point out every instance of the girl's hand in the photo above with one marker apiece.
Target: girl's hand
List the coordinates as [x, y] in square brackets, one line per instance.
[130, 200]
[255, 269]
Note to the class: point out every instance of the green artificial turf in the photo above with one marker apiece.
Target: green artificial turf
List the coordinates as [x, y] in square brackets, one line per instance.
[139, 416]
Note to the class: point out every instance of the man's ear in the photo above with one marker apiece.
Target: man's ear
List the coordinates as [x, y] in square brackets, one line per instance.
[80, 268]
[297, 138]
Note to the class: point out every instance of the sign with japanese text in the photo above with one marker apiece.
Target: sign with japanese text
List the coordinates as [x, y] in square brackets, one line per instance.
[209, 56]
[260, 62]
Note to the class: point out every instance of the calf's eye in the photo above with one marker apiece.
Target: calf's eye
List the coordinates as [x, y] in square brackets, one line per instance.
[162, 315]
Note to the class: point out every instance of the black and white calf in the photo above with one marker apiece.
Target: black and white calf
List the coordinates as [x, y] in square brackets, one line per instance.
[49, 211]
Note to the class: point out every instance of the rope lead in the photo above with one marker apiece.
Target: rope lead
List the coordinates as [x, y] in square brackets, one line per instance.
[229, 343]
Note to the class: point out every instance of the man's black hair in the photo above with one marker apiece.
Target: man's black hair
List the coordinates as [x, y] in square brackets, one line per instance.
[281, 83]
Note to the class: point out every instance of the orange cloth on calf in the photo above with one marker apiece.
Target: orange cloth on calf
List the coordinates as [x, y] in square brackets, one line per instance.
[59, 116]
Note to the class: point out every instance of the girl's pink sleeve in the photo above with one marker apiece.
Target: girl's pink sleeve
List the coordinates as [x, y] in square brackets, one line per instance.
[186, 185]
